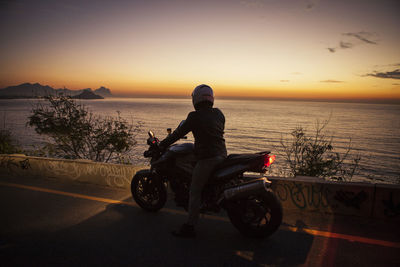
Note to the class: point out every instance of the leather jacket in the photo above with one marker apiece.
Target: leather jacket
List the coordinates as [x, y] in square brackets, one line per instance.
[207, 125]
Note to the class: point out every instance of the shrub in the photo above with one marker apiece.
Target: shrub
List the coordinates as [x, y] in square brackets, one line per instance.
[77, 133]
[8, 144]
[315, 155]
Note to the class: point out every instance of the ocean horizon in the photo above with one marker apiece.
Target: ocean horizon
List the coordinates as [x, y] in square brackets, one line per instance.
[383, 101]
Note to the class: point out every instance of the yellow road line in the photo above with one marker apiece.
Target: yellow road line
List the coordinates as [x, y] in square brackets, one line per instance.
[57, 192]
[350, 238]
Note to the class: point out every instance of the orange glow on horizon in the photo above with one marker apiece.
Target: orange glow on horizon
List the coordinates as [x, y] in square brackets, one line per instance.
[160, 89]
[267, 49]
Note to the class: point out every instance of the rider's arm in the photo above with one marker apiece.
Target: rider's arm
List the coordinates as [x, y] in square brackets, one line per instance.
[179, 132]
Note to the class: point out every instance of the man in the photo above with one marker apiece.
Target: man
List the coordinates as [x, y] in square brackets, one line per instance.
[207, 125]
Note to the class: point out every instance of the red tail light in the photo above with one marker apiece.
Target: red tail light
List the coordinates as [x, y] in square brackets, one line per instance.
[268, 160]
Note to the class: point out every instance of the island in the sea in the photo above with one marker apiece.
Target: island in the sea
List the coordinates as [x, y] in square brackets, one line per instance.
[36, 90]
[87, 95]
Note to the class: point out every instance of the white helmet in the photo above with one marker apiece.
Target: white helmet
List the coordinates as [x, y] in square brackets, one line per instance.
[202, 93]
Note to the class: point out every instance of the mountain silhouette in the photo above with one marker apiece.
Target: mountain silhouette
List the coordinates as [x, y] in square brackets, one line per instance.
[88, 95]
[104, 92]
[33, 90]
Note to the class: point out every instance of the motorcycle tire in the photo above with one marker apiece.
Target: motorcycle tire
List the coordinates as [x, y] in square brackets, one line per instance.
[256, 216]
[150, 193]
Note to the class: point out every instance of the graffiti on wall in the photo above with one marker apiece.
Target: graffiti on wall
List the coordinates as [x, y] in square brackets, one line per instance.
[7, 163]
[390, 208]
[13, 166]
[25, 164]
[303, 196]
[316, 196]
[112, 175]
[351, 199]
[106, 174]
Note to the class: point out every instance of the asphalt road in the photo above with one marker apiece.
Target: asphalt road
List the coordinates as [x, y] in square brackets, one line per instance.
[46, 222]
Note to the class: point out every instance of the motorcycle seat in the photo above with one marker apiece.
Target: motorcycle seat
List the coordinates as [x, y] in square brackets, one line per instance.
[233, 159]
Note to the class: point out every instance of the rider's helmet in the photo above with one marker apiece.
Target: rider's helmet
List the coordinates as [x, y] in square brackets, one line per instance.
[202, 93]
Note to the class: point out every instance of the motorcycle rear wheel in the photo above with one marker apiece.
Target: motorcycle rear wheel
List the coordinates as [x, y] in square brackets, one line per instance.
[149, 192]
[256, 216]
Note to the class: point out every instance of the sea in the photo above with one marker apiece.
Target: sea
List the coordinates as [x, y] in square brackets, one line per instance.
[372, 131]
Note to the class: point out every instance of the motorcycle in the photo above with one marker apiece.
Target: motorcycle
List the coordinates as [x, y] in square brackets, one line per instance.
[251, 205]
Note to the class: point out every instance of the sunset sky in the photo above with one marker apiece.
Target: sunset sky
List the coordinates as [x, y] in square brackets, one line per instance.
[242, 48]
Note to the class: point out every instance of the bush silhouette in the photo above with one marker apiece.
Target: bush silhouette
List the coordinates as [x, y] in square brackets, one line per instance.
[315, 156]
[77, 133]
[8, 144]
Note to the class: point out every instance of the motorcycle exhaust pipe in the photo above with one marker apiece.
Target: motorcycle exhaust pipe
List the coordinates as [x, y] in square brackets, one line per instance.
[249, 188]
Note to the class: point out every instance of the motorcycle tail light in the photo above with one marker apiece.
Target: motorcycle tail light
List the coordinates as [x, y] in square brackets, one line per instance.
[268, 160]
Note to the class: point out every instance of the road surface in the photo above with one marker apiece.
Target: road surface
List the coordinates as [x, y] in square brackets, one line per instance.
[47, 222]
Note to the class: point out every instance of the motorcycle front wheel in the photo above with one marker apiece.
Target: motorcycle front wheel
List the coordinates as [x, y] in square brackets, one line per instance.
[256, 216]
[149, 192]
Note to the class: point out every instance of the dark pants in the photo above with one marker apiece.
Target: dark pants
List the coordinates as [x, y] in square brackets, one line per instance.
[200, 176]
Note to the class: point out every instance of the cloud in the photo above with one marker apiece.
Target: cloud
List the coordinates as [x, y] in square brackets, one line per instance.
[387, 65]
[311, 4]
[345, 45]
[395, 74]
[362, 36]
[296, 73]
[331, 81]
[353, 39]
[285, 81]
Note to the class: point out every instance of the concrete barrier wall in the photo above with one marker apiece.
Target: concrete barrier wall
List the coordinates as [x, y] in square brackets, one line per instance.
[116, 175]
[387, 202]
[310, 194]
[316, 195]
[307, 194]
